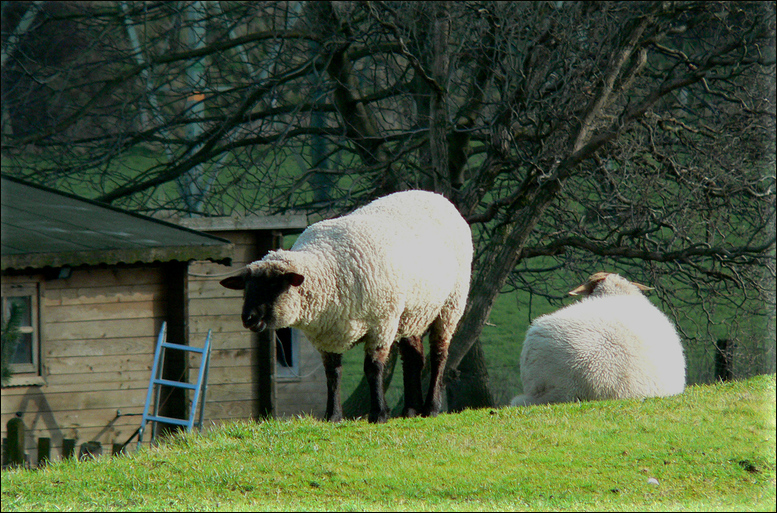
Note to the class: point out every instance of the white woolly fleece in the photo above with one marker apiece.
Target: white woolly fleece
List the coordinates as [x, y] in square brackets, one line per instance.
[613, 344]
[387, 270]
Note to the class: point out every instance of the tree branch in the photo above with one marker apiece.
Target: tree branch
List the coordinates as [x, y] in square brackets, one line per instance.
[686, 254]
[208, 139]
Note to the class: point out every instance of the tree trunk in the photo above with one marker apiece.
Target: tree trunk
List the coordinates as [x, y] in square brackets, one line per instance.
[471, 389]
[494, 270]
[190, 184]
[10, 46]
[438, 109]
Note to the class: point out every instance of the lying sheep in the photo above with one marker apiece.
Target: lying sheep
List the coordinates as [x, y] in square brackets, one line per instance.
[613, 344]
[387, 272]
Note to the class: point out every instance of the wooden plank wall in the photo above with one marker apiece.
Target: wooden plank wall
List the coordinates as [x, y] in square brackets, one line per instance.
[231, 393]
[98, 334]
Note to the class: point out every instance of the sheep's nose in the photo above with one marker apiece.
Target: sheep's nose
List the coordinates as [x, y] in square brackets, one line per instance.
[253, 320]
[250, 319]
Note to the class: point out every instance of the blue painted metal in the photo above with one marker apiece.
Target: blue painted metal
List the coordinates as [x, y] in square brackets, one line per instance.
[155, 383]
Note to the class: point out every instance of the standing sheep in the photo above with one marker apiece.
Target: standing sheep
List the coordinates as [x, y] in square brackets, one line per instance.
[613, 344]
[386, 272]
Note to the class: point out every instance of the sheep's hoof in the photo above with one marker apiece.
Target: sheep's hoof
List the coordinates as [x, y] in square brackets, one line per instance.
[431, 412]
[410, 413]
[378, 418]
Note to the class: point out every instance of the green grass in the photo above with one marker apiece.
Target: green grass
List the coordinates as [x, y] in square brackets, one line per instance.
[711, 448]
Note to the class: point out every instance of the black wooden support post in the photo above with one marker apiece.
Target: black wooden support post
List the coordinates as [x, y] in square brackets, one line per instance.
[264, 355]
[15, 429]
[68, 448]
[265, 365]
[174, 401]
[44, 451]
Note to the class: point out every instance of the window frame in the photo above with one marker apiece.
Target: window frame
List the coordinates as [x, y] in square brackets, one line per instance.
[26, 374]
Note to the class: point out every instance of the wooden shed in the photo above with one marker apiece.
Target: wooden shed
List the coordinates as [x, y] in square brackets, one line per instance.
[95, 284]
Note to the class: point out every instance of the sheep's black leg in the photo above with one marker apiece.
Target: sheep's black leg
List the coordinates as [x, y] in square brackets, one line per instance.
[373, 369]
[333, 367]
[438, 349]
[412, 351]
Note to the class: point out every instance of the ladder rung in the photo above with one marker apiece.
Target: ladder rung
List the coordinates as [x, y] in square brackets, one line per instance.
[176, 384]
[167, 420]
[183, 347]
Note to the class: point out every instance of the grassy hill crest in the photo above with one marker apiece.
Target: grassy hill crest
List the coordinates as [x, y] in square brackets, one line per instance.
[711, 448]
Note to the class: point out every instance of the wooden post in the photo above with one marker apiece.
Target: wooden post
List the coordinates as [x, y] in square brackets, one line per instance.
[15, 429]
[68, 448]
[265, 366]
[265, 359]
[44, 451]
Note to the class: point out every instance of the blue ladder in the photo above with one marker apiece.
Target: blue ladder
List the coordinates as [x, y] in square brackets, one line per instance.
[199, 387]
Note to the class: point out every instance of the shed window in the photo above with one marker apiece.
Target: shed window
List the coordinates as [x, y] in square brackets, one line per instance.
[23, 356]
[287, 353]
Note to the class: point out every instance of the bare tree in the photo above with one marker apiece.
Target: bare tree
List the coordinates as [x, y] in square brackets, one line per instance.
[574, 136]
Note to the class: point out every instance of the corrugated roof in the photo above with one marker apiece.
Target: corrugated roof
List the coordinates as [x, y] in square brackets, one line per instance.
[42, 227]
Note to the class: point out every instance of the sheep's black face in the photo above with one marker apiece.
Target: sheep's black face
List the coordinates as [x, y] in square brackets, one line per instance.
[262, 290]
[261, 294]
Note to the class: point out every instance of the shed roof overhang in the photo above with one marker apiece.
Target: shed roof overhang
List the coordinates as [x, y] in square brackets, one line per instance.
[42, 228]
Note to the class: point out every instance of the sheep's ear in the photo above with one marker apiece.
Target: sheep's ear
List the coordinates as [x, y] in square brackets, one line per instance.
[585, 289]
[294, 279]
[588, 287]
[641, 287]
[236, 282]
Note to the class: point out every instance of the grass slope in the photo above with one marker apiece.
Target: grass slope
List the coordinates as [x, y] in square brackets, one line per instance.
[711, 448]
